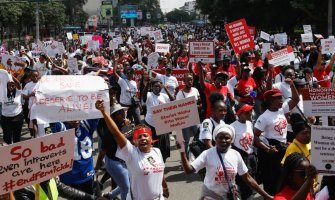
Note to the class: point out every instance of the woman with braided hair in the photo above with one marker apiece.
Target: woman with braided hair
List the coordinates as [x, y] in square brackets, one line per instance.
[297, 180]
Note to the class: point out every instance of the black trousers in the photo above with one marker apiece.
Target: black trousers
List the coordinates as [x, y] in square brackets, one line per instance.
[85, 186]
[12, 127]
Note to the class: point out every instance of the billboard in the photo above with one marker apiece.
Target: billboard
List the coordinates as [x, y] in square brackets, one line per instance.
[128, 11]
[106, 9]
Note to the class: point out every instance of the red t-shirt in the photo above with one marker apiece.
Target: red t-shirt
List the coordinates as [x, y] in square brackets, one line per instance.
[244, 87]
[209, 88]
[320, 75]
[195, 68]
[183, 59]
[230, 71]
[287, 194]
[257, 63]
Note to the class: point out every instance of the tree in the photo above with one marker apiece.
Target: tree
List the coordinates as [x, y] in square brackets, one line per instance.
[177, 16]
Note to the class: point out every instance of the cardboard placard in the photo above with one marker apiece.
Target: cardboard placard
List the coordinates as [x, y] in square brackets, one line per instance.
[85, 39]
[307, 29]
[323, 149]
[36, 160]
[69, 35]
[280, 39]
[175, 115]
[328, 46]
[113, 45]
[93, 45]
[239, 36]
[153, 60]
[9, 63]
[157, 35]
[73, 66]
[202, 51]
[69, 98]
[265, 36]
[318, 101]
[266, 47]
[145, 31]
[281, 57]
[307, 37]
[162, 48]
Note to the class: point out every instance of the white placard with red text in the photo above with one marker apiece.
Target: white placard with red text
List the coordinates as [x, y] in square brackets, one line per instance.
[175, 115]
[202, 51]
[35, 160]
[281, 57]
[327, 46]
[323, 149]
[69, 98]
[162, 48]
[318, 101]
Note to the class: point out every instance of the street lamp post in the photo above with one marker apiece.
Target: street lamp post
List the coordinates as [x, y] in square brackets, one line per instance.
[37, 23]
[330, 17]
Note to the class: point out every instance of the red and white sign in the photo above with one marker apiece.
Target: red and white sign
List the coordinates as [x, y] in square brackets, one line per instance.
[323, 148]
[175, 115]
[35, 160]
[162, 48]
[281, 57]
[239, 36]
[319, 101]
[202, 51]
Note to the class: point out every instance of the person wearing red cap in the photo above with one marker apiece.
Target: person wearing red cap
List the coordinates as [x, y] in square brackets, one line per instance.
[273, 125]
[243, 143]
[145, 163]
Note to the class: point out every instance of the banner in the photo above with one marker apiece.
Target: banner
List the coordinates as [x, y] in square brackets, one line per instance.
[239, 36]
[69, 98]
[36, 160]
[307, 37]
[323, 149]
[318, 101]
[328, 46]
[203, 51]
[281, 57]
[175, 115]
[265, 36]
[10, 64]
[162, 48]
[307, 29]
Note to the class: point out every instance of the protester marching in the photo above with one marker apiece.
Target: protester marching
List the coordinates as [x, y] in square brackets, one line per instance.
[250, 112]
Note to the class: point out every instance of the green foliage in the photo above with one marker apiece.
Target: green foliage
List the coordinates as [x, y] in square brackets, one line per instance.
[177, 16]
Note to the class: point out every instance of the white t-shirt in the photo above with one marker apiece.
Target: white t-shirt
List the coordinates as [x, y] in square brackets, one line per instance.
[285, 89]
[193, 93]
[206, 129]
[128, 90]
[12, 106]
[28, 89]
[153, 100]
[244, 136]
[215, 177]
[4, 78]
[146, 171]
[41, 68]
[171, 83]
[274, 124]
[41, 127]
[279, 78]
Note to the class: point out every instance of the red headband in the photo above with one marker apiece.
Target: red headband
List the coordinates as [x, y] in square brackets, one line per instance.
[141, 130]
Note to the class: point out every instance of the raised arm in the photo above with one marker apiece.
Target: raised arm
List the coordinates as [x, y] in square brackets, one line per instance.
[120, 139]
[269, 79]
[201, 76]
[17, 82]
[295, 96]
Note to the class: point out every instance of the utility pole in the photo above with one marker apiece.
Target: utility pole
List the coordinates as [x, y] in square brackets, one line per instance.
[330, 17]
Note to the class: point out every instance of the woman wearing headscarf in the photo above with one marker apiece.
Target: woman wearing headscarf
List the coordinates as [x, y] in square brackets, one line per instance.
[222, 163]
[145, 163]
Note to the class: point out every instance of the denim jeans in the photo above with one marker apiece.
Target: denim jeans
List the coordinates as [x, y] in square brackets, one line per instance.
[187, 134]
[119, 173]
[133, 113]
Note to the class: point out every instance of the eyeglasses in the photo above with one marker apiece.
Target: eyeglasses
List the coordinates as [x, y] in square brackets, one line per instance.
[301, 173]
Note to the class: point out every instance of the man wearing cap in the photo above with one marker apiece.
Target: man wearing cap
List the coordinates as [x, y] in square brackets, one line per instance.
[219, 85]
[246, 86]
[227, 67]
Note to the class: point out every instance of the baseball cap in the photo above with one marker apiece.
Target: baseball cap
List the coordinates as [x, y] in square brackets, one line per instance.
[272, 93]
[220, 74]
[242, 108]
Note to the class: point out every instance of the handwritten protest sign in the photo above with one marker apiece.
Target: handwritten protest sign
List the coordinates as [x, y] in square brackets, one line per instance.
[175, 115]
[10, 64]
[69, 36]
[280, 39]
[281, 57]
[162, 48]
[307, 37]
[266, 47]
[323, 149]
[239, 36]
[145, 31]
[328, 46]
[73, 66]
[69, 98]
[202, 51]
[265, 36]
[52, 48]
[157, 35]
[307, 29]
[35, 160]
[118, 39]
[113, 45]
[153, 60]
[85, 38]
[93, 45]
[318, 101]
